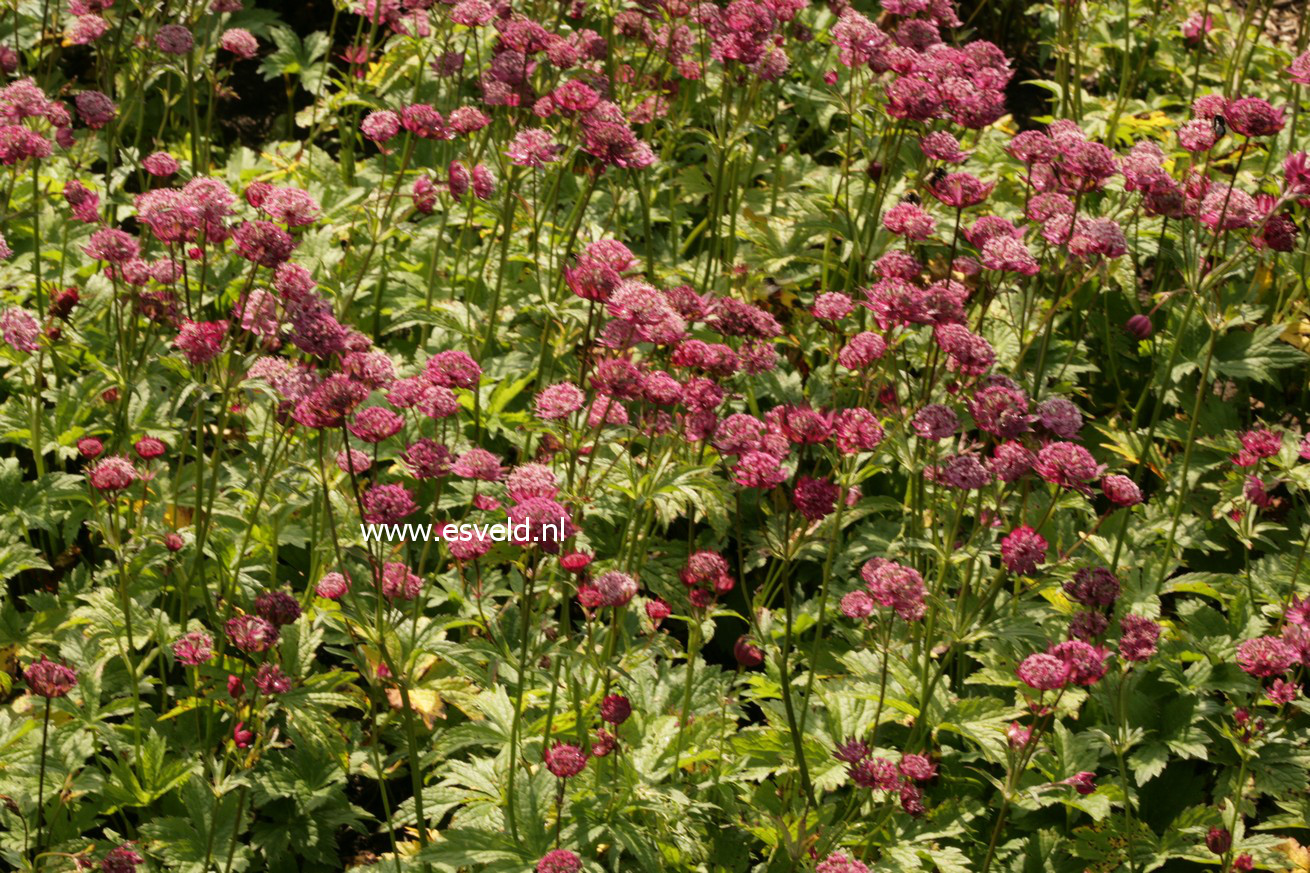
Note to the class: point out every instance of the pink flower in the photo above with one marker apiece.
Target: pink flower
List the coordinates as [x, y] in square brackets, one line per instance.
[1067, 465]
[19, 329]
[533, 147]
[838, 862]
[1121, 491]
[815, 499]
[478, 463]
[95, 109]
[1043, 672]
[399, 582]
[239, 42]
[1085, 662]
[174, 39]
[615, 588]
[961, 190]
[909, 220]
[1023, 550]
[112, 474]
[896, 586]
[374, 424]
[380, 125]
[48, 679]
[1299, 70]
[1254, 116]
[387, 504]
[201, 341]
[160, 164]
[565, 760]
[291, 206]
[333, 586]
[557, 860]
[251, 633]
[1266, 656]
[1139, 637]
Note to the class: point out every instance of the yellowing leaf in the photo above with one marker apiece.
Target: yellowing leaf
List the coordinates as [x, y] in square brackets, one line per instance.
[425, 702]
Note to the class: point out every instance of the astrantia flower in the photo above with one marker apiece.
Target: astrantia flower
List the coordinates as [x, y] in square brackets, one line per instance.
[160, 164]
[200, 341]
[452, 369]
[615, 588]
[380, 125]
[1226, 208]
[112, 474]
[333, 586]
[857, 604]
[565, 760]
[961, 190]
[48, 679]
[968, 353]
[857, 430]
[428, 459]
[251, 633]
[278, 607]
[896, 586]
[122, 859]
[1085, 662]
[533, 147]
[838, 862]
[1254, 116]
[963, 471]
[264, 243]
[374, 424]
[1060, 417]
[862, 350]
[1138, 639]
[1010, 461]
[95, 109]
[478, 463]
[1093, 586]
[1023, 550]
[174, 39]
[19, 329]
[559, 860]
[549, 523]
[1121, 491]
[758, 470]
[1043, 672]
[399, 582]
[615, 709]
[909, 220]
[239, 42]
[815, 498]
[1266, 656]
[1001, 410]
[291, 206]
[387, 504]
[935, 422]
[1067, 465]
[270, 680]
[876, 773]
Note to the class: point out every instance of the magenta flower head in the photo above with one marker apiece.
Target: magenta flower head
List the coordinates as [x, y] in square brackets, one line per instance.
[48, 679]
[896, 586]
[961, 190]
[815, 499]
[123, 859]
[398, 581]
[452, 369]
[148, 448]
[1084, 782]
[374, 424]
[200, 341]
[1043, 672]
[160, 164]
[95, 109]
[559, 861]
[239, 42]
[1266, 656]
[615, 709]
[1023, 550]
[174, 39]
[1139, 638]
[1085, 662]
[748, 655]
[478, 464]
[194, 648]
[251, 633]
[1254, 116]
[839, 862]
[380, 126]
[1139, 326]
[112, 474]
[616, 588]
[387, 504]
[1121, 491]
[278, 607]
[565, 760]
[333, 586]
